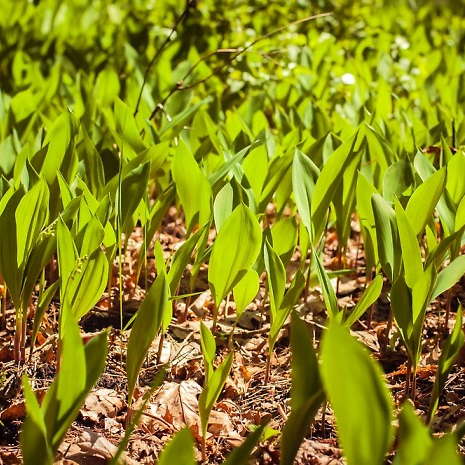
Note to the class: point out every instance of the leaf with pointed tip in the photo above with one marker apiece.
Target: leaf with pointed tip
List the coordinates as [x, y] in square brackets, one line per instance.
[349, 374]
[234, 251]
[148, 322]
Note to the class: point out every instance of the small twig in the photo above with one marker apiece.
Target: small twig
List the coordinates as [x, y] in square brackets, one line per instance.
[189, 4]
[180, 86]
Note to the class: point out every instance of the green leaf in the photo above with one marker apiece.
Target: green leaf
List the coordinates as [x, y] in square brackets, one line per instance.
[370, 295]
[212, 390]
[82, 282]
[181, 259]
[306, 393]
[179, 450]
[450, 350]
[60, 138]
[421, 297]
[449, 276]
[414, 439]
[276, 275]
[246, 290]
[31, 216]
[241, 455]
[411, 253]
[148, 322]
[304, 173]
[9, 266]
[234, 251]
[397, 178]
[284, 234]
[81, 366]
[192, 187]
[126, 128]
[156, 383]
[389, 250]
[444, 450]
[208, 344]
[359, 397]
[329, 295]
[455, 185]
[35, 447]
[424, 199]
[328, 180]
[133, 188]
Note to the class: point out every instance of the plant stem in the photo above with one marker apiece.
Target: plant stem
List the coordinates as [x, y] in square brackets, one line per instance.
[3, 322]
[204, 448]
[268, 367]
[407, 379]
[160, 347]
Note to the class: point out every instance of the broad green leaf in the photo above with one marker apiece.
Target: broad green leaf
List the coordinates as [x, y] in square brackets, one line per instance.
[329, 295]
[424, 199]
[445, 209]
[126, 129]
[148, 322]
[192, 187]
[284, 234]
[450, 350]
[401, 305]
[449, 276]
[208, 344]
[411, 253]
[9, 266]
[35, 447]
[241, 455]
[386, 231]
[133, 187]
[246, 290]
[212, 390]
[444, 450]
[107, 87]
[291, 299]
[31, 216]
[421, 297]
[223, 205]
[181, 260]
[328, 180]
[277, 171]
[306, 393]
[255, 166]
[224, 169]
[276, 276]
[369, 296]
[304, 173]
[179, 450]
[81, 367]
[350, 375]
[397, 178]
[367, 220]
[67, 256]
[85, 283]
[234, 251]
[173, 127]
[60, 138]
[455, 185]
[414, 439]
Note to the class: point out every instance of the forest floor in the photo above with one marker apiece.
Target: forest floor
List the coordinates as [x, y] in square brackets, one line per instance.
[246, 399]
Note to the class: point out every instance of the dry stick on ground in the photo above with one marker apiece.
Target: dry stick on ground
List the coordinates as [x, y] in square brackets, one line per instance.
[180, 86]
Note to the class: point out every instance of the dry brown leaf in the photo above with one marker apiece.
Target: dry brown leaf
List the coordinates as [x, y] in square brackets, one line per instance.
[17, 410]
[101, 404]
[176, 402]
[91, 449]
